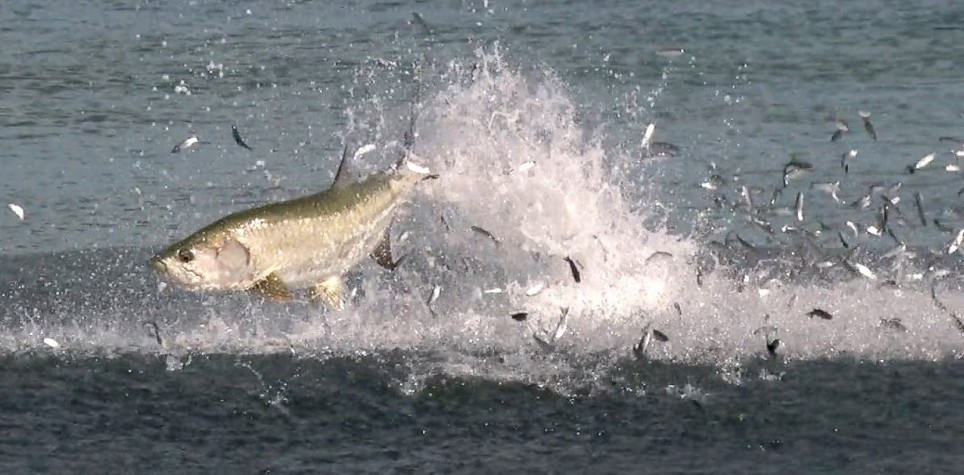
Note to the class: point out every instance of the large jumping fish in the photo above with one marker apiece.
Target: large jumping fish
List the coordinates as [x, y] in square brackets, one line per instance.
[307, 242]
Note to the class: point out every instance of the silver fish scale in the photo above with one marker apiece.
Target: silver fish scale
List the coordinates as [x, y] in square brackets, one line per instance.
[308, 249]
[300, 242]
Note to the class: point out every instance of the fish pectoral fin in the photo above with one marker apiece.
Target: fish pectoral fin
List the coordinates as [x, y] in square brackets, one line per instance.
[383, 253]
[331, 291]
[271, 287]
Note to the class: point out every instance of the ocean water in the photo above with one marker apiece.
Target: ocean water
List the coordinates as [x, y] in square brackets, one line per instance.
[534, 115]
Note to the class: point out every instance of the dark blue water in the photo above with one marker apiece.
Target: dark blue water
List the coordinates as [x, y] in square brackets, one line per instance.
[533, 116]
[284, 414]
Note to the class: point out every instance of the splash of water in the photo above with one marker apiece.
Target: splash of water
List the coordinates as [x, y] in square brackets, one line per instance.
[525, 188]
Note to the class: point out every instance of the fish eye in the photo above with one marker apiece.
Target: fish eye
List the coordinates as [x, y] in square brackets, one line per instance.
[185, 255]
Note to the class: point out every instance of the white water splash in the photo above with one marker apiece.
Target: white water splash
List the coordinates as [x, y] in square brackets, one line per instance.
[476, 132]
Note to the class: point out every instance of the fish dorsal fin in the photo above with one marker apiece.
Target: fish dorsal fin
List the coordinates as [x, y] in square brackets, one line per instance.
[341, 176]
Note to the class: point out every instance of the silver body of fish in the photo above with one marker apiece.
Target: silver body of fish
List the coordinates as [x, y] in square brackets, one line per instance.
[307, 242]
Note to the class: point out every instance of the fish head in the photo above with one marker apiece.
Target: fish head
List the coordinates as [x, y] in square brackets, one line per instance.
[216, 264]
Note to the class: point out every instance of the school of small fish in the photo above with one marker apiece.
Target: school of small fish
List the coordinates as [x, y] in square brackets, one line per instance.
[824, 245]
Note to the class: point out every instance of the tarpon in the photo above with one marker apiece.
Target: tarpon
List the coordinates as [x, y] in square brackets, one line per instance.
[307, 242]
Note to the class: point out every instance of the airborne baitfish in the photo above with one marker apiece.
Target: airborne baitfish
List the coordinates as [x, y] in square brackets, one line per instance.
[307, 242]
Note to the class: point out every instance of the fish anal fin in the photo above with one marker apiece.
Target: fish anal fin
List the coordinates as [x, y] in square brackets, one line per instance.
[330, 291]
[383, 253]
[271, 287]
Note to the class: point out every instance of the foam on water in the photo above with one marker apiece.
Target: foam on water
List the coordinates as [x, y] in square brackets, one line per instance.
[515, 160]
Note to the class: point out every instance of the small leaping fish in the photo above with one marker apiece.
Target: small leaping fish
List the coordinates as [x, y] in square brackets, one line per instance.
[853, 227]
[436, 291]
[576, 275]
[773, 347]
[535, 289]
[893, 324]
[842, 128]
[713, 183]
[864, 270]
[529, 165]
[237, 137]
[17, 210]
[956, 243]
[793, 169]
[821, 313]
[923, 162]
[648, 135]
[561, 326]
[919, 201]
[798, 205]
[421, 24]
[865, 116]
[639, 349]
[846, 158]
[362, 151]
[662, 149]
[670, 52]
[186, 144]
[862, 203]
[487, 234]
[831, 188]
